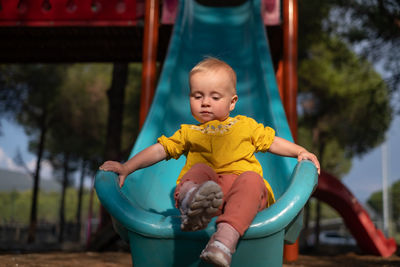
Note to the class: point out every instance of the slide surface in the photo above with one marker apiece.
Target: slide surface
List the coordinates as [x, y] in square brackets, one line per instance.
[237, 36]
[369, 238]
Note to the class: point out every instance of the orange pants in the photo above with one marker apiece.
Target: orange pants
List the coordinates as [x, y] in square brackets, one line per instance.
[244, 194]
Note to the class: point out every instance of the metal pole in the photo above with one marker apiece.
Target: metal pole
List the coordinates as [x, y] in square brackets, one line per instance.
[290, 25]
[385, 189]
[150, 42]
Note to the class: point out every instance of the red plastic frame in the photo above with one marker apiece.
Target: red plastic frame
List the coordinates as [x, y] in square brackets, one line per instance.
[70, 12]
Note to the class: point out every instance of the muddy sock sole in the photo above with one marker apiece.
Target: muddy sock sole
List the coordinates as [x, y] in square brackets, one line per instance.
[204, 203]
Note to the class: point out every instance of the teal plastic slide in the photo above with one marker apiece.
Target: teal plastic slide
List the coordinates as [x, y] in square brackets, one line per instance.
[143, 210]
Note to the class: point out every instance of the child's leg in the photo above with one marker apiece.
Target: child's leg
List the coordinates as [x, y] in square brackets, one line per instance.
[198, 197]
[196, 176]
[246, 197]
[221, 246]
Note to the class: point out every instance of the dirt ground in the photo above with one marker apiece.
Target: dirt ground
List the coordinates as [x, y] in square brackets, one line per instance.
[123, 259]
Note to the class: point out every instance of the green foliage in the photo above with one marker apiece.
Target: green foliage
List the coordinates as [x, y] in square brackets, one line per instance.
[70, 101]
[375, 200]
[69, 104]
[345, 104]
[312, 14]
[42, 83]
[15, 206]
[27, 94]
[81, 113]
[339, 93]
[79, 126]
[373, 27]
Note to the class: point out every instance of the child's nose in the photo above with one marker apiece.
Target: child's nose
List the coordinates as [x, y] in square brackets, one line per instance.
[206, 101]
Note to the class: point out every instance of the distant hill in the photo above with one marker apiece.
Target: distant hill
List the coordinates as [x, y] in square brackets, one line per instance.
[18, 181]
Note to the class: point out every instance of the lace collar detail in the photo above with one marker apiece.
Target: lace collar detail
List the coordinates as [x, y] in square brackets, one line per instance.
[215, 126]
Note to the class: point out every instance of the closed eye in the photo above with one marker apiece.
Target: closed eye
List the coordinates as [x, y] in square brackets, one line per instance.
[216, 96]
[196, 96]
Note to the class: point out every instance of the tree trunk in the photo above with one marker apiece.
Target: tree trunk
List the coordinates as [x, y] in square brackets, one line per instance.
[317, 223]
[90, 216]
[62, 203]
[116, 98]
[80, 195]
[306, 222]
[116, 95]
[36, 179]
[318, 207]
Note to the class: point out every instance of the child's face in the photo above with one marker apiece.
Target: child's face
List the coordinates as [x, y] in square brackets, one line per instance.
[211, 96]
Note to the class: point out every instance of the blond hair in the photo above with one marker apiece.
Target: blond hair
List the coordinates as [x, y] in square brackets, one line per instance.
[214, 64]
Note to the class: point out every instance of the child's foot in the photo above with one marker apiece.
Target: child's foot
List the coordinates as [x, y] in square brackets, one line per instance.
[200, 205]
[217, 254]
[221, 246]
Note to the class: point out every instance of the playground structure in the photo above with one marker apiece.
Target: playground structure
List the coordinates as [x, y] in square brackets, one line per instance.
[88, 13]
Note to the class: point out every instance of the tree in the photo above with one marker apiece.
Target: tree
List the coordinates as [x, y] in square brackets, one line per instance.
[338, 91]
[75, 132]
[77, 135]
[339, 94]
[28, 94]
[373, 28]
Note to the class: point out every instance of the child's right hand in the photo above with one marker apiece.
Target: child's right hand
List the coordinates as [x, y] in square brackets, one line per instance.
[115, 166]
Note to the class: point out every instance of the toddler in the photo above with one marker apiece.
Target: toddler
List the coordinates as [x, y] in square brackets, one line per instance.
[221, 176]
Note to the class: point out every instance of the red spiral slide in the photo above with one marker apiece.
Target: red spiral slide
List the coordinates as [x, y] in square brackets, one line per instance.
[370, 239]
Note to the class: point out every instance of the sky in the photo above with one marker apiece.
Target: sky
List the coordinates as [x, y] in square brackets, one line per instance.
[13, 139]
[364, 178]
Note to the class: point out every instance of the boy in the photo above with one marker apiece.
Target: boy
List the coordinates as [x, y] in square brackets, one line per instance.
[221, 176]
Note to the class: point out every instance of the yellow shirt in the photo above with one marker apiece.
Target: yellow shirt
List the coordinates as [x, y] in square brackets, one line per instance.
[226, 146]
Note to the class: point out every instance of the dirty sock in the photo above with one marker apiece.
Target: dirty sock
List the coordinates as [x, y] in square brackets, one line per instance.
[227, 235]
[184, 194]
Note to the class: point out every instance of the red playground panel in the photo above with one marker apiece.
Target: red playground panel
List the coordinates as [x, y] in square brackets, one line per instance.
[98, 12]
[70, 12]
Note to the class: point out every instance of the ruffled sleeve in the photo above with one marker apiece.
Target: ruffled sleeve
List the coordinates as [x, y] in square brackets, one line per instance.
[262, 137]
[175, 145]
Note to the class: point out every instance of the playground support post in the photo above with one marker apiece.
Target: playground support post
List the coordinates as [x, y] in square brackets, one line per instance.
[290, 25]
[385, 189]
[289, 84]
[149, 66]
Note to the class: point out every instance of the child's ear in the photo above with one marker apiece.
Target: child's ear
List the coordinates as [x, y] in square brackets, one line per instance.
[233, 102]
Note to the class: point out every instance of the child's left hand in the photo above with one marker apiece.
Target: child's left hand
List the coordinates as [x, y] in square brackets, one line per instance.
[304, 154]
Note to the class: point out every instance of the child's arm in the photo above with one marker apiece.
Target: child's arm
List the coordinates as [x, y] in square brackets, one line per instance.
[143, 159]
[286, 148]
